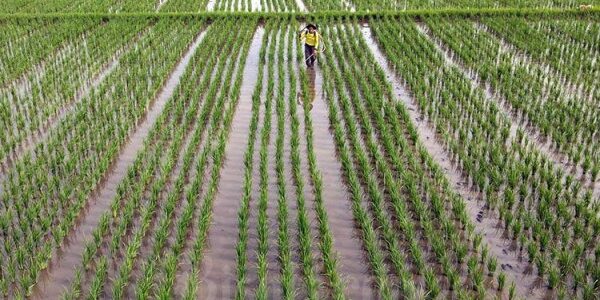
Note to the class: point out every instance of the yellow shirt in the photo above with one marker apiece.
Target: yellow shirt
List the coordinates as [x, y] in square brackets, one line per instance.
[312, 39]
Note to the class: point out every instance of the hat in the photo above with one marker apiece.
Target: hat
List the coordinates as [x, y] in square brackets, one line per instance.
[312, 26]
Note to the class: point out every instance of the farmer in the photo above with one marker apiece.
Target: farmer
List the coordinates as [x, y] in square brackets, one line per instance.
[311, 38]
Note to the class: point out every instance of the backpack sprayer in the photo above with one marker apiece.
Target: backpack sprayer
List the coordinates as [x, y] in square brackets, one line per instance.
[321, 43]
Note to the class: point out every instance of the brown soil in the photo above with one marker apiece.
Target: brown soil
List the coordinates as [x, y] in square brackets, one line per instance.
[59, 274]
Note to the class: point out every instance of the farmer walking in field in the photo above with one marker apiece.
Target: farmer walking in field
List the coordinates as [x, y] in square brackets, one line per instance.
[311, 38]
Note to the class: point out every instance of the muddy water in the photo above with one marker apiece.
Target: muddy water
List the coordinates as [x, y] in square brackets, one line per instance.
[512, 264]
[347, 242]
[517, 121]
[256, 6]
[185, 267]
[59, 274]
[218, 270]
[291, 192]
[309, 197]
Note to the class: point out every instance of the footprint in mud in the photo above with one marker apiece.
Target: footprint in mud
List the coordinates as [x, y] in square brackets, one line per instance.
[480, 216]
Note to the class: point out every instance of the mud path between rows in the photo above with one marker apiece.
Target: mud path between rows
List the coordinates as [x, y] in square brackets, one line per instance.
[346, 239]
[59, 274]
[486, 224]
[83, 92]
[218, 275]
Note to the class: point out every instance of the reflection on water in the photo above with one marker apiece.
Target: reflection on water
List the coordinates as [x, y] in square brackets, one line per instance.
[312, 75]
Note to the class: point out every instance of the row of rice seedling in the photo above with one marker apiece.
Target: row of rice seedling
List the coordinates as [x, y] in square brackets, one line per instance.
[79, 6]
[255, 5]
[33, 103]
[43, 41]
[571, 59]
[551, 218]
[262, 224]
[584, 31]
[278, 52]
[274, 95]
[284, 238]
[388, 5]
[571, 122]
[204, 219]
[44, 192]
[405, 190]
[309, 261]
[244, 213]
[184, 5]
[165, 220]
[14, 32]
[326, 245]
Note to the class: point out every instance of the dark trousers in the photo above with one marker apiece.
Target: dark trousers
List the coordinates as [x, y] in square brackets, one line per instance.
[310, 55]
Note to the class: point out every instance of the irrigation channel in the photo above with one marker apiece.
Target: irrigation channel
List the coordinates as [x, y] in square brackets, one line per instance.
[59, 275]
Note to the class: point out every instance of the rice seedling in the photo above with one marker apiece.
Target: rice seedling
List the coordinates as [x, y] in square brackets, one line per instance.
[506, 105]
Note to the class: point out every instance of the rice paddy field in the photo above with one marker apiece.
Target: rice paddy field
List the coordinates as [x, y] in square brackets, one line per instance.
[439, 149]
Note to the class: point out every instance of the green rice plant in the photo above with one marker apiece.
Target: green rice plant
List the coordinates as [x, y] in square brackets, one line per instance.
[77, 183]
[553, 277]
[512, 291]
[326, 244]
[491, 265]
[433, 288]
[368, 233]
[501, 281]
[98, 281]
